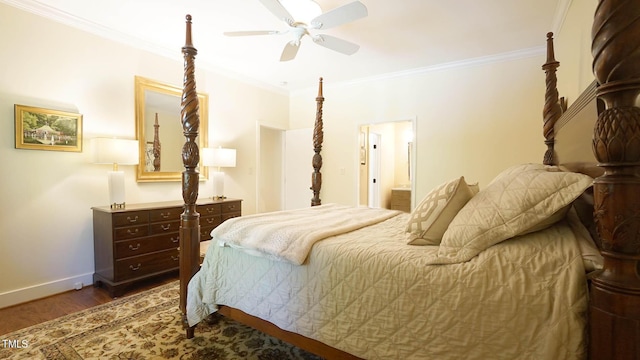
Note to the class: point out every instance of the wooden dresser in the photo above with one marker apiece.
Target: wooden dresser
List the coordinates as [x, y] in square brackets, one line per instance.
[401, 199]
[141, 240]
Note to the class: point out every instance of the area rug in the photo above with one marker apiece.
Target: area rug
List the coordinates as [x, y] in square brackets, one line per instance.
[143, 326]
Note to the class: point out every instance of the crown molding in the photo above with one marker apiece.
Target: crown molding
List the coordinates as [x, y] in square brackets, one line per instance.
[562, 9]
[491, 59]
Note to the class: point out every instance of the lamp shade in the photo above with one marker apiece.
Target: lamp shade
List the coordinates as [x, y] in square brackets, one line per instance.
[115, 151]
[219, 157]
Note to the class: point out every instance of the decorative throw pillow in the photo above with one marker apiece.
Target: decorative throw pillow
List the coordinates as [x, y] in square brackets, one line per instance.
[513, 205]
[430, 219]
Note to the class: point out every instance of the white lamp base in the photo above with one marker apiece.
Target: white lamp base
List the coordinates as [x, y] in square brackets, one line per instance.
[116, 189]
[218, 185]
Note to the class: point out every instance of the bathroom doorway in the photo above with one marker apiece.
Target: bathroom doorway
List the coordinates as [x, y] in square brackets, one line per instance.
[386, 163]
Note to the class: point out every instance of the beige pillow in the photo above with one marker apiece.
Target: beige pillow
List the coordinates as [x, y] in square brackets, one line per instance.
[513, 205]
[430, 219]
[518, 168]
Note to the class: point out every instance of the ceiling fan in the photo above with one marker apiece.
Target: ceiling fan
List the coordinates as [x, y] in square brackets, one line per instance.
[309, 17]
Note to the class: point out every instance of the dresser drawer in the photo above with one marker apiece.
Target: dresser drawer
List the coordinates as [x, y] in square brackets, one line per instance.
[130, 232]
[146, 264]
[165, 214]
[131, 218]
[231, 207]
[211, 221]
[145, 245]
[165, 227]
[209, 210]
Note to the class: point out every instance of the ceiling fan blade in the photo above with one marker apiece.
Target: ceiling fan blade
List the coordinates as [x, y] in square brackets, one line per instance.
[290, 50]
[251, 32]
[278, 10]
[341, 15]
[336, 44]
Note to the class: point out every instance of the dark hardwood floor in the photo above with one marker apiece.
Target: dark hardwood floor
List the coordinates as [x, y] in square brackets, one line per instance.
[34, 312]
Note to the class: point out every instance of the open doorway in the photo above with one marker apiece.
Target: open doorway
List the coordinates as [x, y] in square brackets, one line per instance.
[386, 164]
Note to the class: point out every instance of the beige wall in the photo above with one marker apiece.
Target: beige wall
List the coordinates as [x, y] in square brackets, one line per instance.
[573, 50]
[46, 226]
[471, 121]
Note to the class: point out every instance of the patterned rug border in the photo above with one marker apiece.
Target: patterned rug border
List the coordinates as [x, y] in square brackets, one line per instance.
[78, 314]
[145, 325]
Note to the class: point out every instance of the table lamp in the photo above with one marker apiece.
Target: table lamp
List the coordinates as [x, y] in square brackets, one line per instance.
[117, 152]
[218, 158]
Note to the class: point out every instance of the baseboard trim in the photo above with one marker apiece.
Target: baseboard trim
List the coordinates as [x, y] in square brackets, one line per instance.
[19, 296]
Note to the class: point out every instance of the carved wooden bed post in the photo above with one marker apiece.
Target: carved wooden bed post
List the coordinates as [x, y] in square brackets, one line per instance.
[615, 292]
[190, 219]
[552, 109]
[318, 134]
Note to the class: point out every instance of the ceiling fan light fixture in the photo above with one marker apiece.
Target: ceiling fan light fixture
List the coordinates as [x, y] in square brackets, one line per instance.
[299, 15]
[302, 10]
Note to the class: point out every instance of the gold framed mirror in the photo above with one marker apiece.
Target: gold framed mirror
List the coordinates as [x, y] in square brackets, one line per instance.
[159, 130]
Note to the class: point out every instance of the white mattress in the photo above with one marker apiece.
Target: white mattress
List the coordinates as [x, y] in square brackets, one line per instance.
[368, 293]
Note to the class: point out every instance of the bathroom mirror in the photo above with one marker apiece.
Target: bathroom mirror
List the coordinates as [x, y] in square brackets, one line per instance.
[159, 130]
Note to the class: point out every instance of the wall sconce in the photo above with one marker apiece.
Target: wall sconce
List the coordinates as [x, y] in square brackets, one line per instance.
[218, 157]
[116, 152]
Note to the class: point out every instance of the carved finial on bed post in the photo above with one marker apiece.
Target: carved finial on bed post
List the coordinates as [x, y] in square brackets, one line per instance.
[615, 292]
[552, 109]
[318, 134]
[190, 219]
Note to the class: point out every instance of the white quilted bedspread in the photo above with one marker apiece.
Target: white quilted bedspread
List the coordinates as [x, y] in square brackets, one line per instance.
[368, 293]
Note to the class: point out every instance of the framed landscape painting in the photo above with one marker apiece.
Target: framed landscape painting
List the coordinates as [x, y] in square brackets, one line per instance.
[44, 129]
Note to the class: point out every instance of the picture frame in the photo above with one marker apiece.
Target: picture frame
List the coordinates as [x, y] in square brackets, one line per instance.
[46, 129]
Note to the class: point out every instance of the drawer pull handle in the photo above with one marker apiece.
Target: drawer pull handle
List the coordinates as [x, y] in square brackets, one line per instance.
[209, 210]
[166, 227]
[135, 219]
[175, 240]
[132, 232]
[232, 207]
[165, 216]
[134, 248]
[135, 268]
[175, 258]
[209, 221]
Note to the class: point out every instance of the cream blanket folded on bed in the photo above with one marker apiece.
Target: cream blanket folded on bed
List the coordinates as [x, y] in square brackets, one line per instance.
[289, 235]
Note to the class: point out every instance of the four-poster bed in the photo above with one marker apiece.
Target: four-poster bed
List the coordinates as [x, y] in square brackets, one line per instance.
[531, 283]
